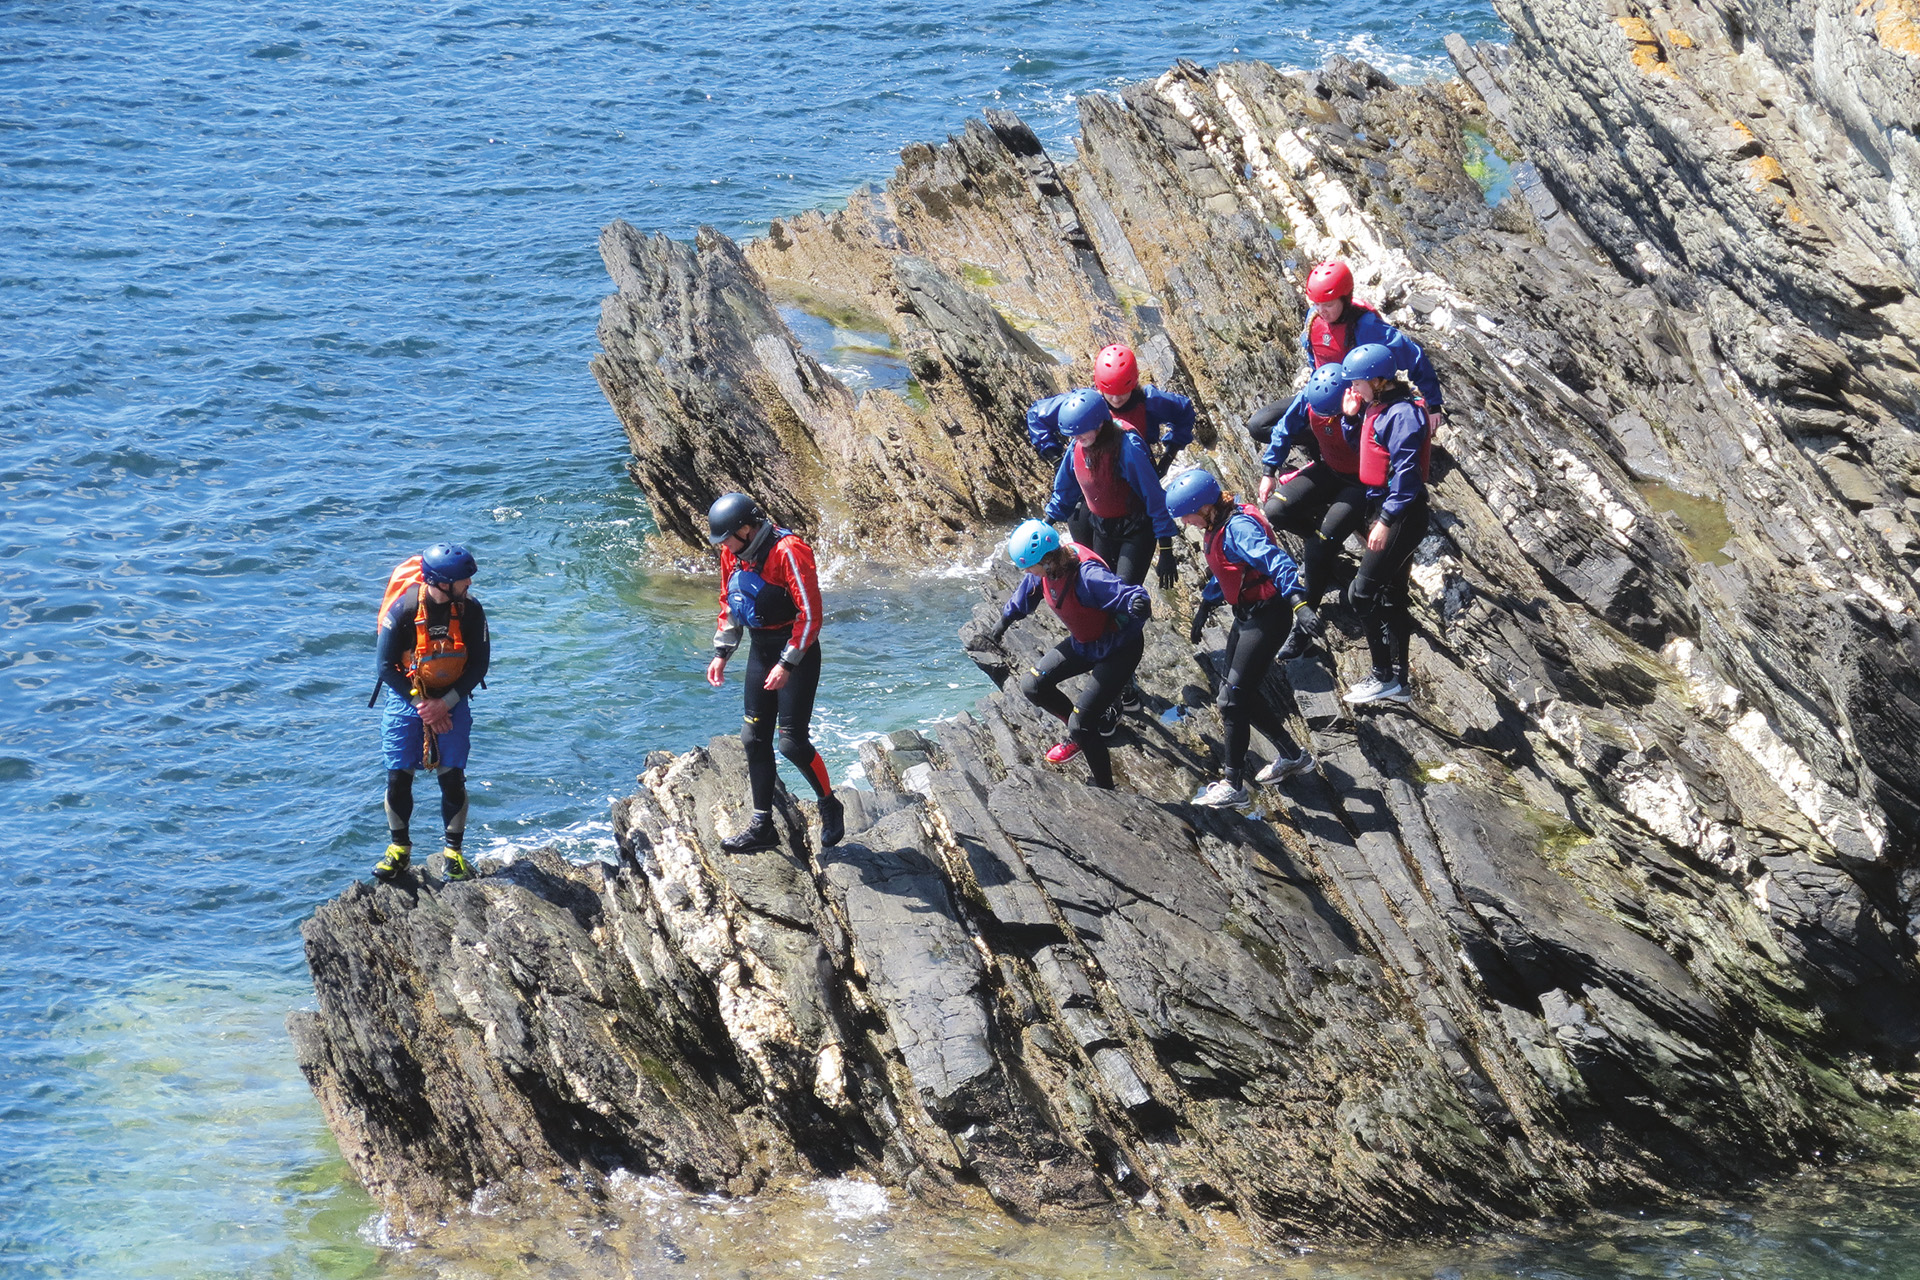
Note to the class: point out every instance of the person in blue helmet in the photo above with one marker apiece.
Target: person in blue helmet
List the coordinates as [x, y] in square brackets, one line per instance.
[432, 652]
[1105, 619]
[1339, 325]
[1162, 420]
[1258, 581]
[1394, 441]
[1109, 470]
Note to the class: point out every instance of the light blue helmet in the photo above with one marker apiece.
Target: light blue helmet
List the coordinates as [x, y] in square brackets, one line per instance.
[1369, 360]
[1325, 388]
[1190, 491]
[1084, 411]
[1031, 543]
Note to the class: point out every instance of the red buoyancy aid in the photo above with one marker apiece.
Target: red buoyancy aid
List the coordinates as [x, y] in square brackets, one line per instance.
[1331, 342]
[1134, 417]
[1084, 622]
[1334, 449]
[437, 661]
[1375, 461]
[1238, 582]
[1107, 492]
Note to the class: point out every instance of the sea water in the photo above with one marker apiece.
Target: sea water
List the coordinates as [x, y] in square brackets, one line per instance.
[288, 291]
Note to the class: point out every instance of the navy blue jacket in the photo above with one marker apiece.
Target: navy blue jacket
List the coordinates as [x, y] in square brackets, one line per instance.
[1097, 589]
[1136, 468]
[1169, 421]
[1246, 542]
[1402, 428]
[1408, 357]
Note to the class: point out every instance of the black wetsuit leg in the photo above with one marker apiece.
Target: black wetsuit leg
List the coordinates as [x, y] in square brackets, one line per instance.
[1126, 543]
[1298, 505]
[1111, 675]
[1348, 510]
[1260, 422]
[789, 708]
[1251, 646]
[1080, 525]
[1379, 593]
[399, 805]
[453, 805]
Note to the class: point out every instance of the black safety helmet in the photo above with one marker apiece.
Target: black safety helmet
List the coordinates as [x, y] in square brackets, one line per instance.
[728, 512]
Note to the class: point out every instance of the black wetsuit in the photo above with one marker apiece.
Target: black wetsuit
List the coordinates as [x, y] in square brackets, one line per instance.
[391, 654]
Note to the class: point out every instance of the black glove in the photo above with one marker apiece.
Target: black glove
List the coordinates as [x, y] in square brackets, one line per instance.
[1165, 461]
[998, 631]
[1140, 607]
[1305, 620]
[1052, 454]
[1200, 617]
[1166, 568]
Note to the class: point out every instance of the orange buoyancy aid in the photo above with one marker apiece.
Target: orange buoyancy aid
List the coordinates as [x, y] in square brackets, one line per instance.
[437, 662]
[1334, 449]
[1332, 341]
[1239, 583]
[1105, 489]
[1084, 622]
[1375, 462]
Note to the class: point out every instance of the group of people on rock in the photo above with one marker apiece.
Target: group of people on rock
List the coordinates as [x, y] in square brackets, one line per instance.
[1365, 422]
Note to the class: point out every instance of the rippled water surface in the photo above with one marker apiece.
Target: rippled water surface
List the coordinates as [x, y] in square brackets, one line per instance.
[285, 293]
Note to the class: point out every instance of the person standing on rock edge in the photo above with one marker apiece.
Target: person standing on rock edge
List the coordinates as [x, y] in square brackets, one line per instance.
[1109, 469]
[1338, 325]
[1162, 420]
[1257, 580]
[769, 586]
[432, 653]
[1105, 618]
[1394, 442]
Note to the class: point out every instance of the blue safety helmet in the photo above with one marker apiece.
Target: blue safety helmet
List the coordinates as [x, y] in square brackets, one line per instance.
[1369, 360]
[445, 563]
[1190, 491]
[1031, 543]
[1084, 411]
[1326, 387]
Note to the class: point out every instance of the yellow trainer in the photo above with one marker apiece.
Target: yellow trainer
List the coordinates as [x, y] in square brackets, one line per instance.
[458, 868]
[392, 863]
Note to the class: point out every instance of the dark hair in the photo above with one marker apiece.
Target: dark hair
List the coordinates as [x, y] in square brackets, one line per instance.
[1106, 438]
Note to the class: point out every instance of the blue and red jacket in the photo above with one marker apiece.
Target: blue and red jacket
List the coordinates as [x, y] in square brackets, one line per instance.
[1127, 486]
[1300, 425]
[1090, 599]
[1160, 417]
[1242, 549]
[1396, 452]
[1360, 324]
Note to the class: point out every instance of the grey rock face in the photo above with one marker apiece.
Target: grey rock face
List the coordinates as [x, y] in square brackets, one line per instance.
[1622, 908]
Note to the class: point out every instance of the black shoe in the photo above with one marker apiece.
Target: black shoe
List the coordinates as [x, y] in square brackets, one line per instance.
[1109, 722]
[833, 821]
[1130, 697]
[1298, 642]
[760, 834]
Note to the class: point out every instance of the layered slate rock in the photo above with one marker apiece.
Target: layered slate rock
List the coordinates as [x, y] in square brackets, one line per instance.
[1622, 908]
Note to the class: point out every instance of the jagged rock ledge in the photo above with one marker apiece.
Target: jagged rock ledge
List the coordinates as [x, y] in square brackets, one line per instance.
[1623, 910]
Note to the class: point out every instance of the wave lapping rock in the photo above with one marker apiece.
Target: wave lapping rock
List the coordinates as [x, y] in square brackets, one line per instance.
[1623, 909]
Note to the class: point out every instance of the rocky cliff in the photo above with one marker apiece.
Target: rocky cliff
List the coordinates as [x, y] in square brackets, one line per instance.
[1624, 907]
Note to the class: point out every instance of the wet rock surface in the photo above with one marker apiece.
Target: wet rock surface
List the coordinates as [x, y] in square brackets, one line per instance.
[1621, 909]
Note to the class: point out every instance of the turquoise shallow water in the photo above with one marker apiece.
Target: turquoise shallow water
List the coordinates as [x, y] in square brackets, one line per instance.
[285, 292]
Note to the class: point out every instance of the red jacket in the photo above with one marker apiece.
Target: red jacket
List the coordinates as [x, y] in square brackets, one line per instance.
[790, 565]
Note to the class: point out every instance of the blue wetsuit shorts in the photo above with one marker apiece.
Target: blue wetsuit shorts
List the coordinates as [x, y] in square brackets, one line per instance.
[401, 736]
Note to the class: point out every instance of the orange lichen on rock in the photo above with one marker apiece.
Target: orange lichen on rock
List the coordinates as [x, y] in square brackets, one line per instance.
[1896, 24]
[1764, 169]
[1647, 53]
[1678, 38]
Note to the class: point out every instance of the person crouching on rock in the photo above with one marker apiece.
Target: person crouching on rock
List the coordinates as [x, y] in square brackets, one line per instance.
[1110, 470]
[1105, 619]
[1322, 502]
[1162, 420]
[432, 653]
[769, 586]
[1257, 580]
[1394, 441]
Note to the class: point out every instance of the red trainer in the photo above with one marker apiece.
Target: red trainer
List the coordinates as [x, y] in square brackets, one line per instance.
[1061, 752]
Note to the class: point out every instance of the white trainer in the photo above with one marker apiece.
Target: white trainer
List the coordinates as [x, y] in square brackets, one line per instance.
[1374, 689]
[1283, 768]
[1221, 794]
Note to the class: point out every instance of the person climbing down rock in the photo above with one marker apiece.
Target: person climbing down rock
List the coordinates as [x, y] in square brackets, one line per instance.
[1395, 446]
[1105, 619]
[1257, 580]
[1339, 325]
[1110, 470]
[769, 587]
[431, 653]
[1162, 420]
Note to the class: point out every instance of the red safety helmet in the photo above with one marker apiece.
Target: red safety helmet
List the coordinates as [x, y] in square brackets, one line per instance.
[1115, 372]
[1328, 281]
